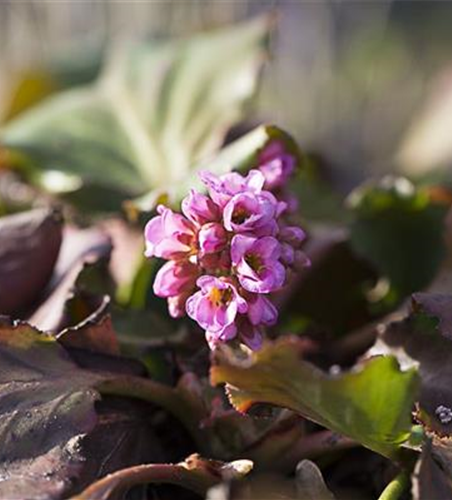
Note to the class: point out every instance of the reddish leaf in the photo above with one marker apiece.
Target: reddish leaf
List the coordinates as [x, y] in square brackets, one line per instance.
[94, 333]
[44, 414]
[195, 473]
[82, 252]
[29, 246]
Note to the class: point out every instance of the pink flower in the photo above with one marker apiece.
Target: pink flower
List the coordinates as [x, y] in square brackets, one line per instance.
[256, 261]
[247, 212]
[215, 307]
[293, 235]
[301, 260]
[222, 189]
[249, 334]
[174, 278]
[261, 310]
[235, 238]
[287, 254]
[169, 235]
[291, 238]
[214, 338]
[176, 303]
[276, 165]
[216, 263]
[212, 238]
[199, 208]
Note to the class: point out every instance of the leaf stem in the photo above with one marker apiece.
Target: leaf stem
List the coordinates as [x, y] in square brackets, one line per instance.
[139, 474]
[169, 398]
[396, 487]
[195, 473]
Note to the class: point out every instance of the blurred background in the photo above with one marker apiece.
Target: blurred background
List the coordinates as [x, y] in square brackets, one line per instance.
[367, 86]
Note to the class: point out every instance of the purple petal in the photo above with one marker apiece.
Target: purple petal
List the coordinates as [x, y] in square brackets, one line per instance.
[173, 277]
[153, 233]
[239, 246]
[293, 235]
[255, 181]
[250, 335]
[199, 208]
[212, 238]
[268, 249]
[287, 254]
[262, 311]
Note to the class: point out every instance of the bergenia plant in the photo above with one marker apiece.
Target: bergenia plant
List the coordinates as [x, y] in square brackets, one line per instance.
[230, 250]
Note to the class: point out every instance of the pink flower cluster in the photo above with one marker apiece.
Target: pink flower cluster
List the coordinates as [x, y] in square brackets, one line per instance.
[228, 251]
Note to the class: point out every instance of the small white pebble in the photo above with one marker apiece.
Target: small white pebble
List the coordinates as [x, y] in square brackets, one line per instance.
[335, 370]
[444, 414]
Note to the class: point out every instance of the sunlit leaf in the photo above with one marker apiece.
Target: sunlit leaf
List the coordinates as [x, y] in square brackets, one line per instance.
[242, 154]
[371, 404]
[157, 109]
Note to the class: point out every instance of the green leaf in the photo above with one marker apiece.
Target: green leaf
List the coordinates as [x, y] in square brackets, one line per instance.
[399, 228]
[242, 154]
[157, 109]
[372, 404]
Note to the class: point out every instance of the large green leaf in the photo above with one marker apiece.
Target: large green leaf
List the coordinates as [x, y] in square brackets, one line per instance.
[157, 109]
[242, 154]
[399, 228]
[372, 404]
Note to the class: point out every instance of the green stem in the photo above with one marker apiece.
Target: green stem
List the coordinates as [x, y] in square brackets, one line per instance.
[396, 487]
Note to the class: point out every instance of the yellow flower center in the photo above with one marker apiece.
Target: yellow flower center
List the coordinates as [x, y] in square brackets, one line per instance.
[220, 297]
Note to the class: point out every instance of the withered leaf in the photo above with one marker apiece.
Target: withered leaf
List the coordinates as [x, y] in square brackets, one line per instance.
[46, 408]
[29, 246]
[82, 267]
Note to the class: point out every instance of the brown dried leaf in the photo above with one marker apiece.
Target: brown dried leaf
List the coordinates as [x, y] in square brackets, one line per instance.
[29, 247]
